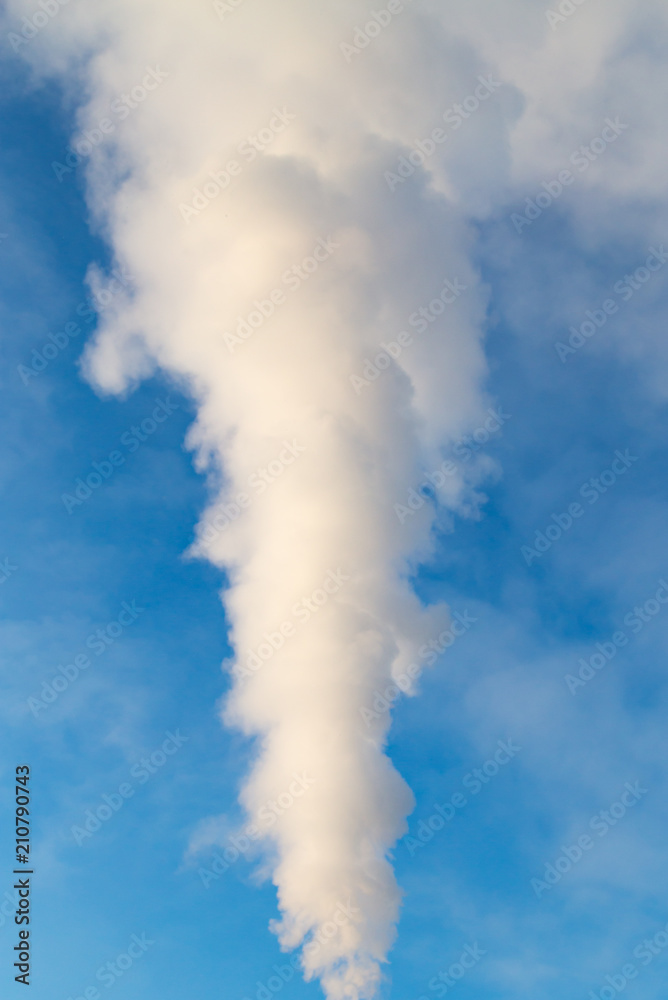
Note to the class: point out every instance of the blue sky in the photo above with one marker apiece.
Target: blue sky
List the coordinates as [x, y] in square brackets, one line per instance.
[470, 883]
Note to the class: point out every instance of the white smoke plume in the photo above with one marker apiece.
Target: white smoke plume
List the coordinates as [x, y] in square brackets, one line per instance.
[236, 159]
[319, 549]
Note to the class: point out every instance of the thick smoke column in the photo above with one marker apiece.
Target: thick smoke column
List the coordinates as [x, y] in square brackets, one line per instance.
[245, 192]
